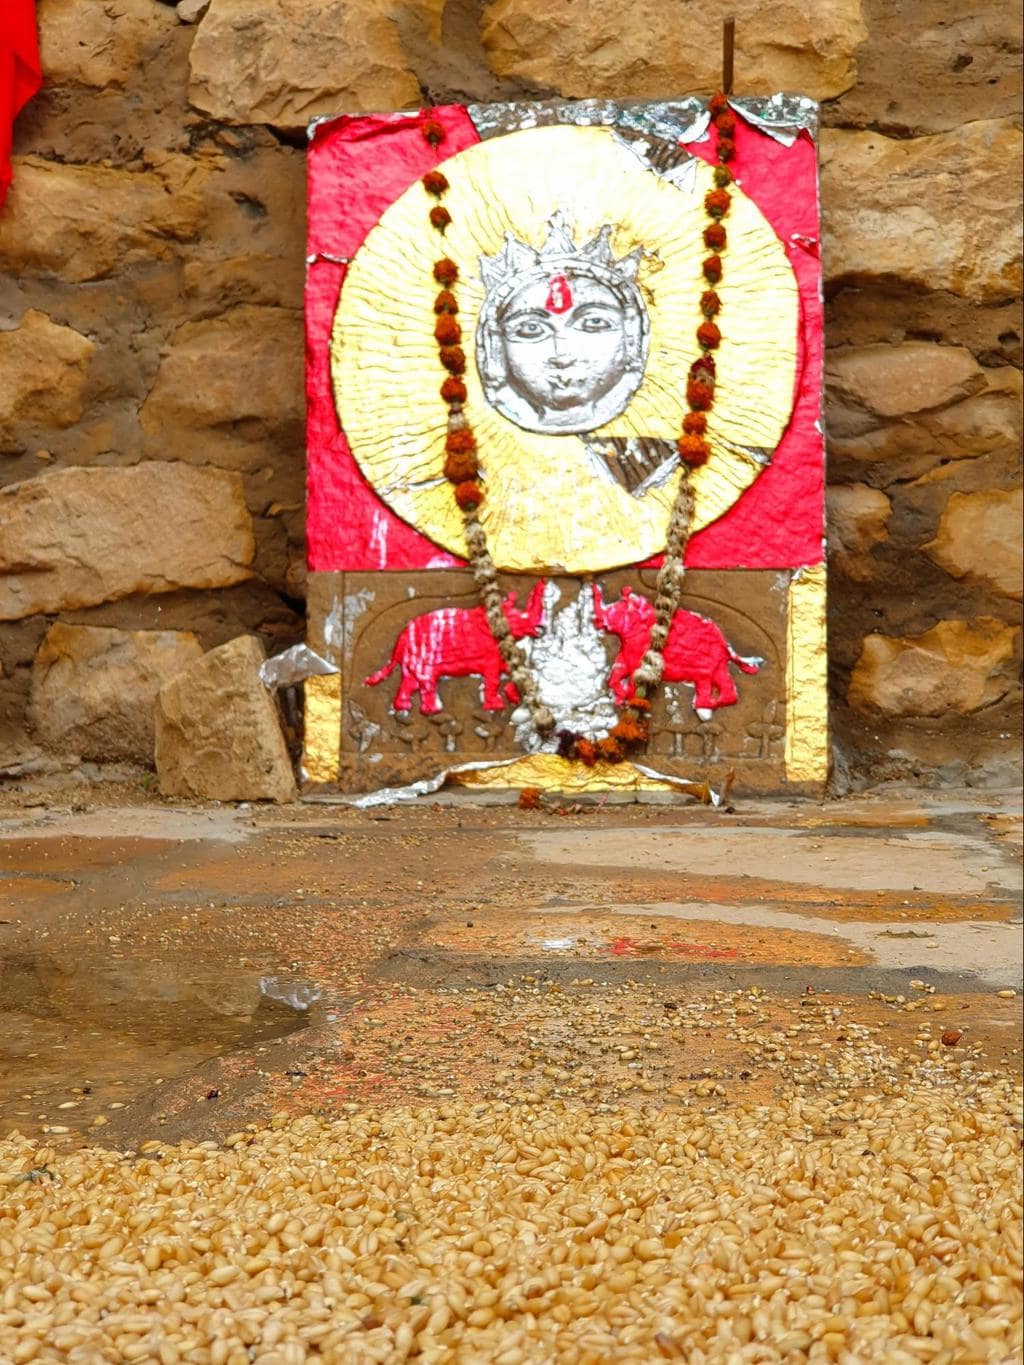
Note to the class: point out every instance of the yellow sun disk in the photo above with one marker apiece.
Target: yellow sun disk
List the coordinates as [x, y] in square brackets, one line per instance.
[545, 507]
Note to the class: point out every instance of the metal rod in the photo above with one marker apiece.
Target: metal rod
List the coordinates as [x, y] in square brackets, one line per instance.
[728, 48]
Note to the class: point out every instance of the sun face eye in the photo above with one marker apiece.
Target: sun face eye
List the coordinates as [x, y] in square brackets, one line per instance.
[596, 322]
[527, 329]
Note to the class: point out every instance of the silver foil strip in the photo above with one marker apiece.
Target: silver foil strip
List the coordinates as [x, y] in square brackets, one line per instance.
[293, 666]
[684, 120]
[782, 117]
[427, 786]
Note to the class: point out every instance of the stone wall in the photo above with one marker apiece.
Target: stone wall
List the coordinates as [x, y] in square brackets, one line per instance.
[151, 440]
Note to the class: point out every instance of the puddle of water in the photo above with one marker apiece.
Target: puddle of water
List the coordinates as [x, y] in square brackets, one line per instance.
[629, 945]
[80, 1040]
[994, 951]
[933, 862]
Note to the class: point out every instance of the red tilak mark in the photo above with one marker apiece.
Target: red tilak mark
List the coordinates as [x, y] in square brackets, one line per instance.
[559, 299]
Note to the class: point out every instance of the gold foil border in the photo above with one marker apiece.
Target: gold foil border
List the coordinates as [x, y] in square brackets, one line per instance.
[553, 774]
[321, 757]
[807, 738]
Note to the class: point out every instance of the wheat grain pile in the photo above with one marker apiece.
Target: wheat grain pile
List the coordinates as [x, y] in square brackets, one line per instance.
[885, 1227]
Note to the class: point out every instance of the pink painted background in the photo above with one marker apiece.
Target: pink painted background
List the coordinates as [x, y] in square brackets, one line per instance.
[359, 165]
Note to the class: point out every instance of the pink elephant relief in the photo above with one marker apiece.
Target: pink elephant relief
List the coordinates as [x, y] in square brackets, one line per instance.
[456, 642]
[696, 651]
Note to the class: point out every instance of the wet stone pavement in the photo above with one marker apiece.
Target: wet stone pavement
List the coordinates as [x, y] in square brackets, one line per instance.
[185, 973]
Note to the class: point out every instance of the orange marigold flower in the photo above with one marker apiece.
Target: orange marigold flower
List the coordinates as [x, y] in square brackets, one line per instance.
[469, 495]
[461, 466]
[447, 331]
[704, 368]
[433, 131]
[529, 798]
[699, 395]
[434, 182]
[714, 237]
[446, 302]
[453, 358]
[453, 390]
[640, 704]
[709, 336]
[710, 303]
[716, 203]
[440, 217]
[610, 750]
[723, 176]
[726, 149]
[713, 269]
[718, 104]
[695, 424]
[630, 731]
[725, 122]
[460, 440]
[694, 450]
[446, 271]
[586, 752]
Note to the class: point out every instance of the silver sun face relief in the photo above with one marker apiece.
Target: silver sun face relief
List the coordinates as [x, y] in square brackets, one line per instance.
[563, 333]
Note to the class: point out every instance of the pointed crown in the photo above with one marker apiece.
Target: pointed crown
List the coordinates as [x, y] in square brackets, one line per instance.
[516, 261]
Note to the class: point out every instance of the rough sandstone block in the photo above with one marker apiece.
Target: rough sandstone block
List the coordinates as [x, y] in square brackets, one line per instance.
[44, 369]
[218, 735]
[94, 689]
[939, 212]
[866, 383]
[979, 424]
[590, 48]
[858, 519]
[87, 222]
[242, 367]
[98, 43]
[285, 61]
[76, 537]
[957, 666]
[979, 539]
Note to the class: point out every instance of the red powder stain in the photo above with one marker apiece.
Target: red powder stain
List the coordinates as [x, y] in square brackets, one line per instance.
[623, 947]
[559, 299]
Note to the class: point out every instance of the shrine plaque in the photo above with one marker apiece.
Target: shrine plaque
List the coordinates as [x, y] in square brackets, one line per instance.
[575, 237]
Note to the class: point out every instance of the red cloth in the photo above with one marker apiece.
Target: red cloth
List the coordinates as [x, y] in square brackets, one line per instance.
[20, 75]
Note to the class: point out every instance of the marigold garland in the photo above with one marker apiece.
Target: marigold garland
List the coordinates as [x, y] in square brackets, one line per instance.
[462, 468]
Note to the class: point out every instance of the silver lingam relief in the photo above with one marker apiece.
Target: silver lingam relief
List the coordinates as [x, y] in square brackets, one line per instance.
[570, 664]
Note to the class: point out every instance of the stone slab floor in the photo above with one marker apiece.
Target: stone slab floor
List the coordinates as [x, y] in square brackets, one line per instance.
[172, 976]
